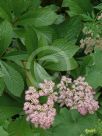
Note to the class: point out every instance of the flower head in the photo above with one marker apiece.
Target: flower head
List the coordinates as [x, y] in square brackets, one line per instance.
[78, 95]
[41, 115]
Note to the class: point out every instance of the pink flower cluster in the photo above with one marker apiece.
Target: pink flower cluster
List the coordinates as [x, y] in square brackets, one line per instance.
[41, 115]
[78, 95]
[75, 94]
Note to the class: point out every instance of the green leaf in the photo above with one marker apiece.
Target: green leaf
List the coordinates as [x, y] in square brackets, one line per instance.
[36, 3]
[16, 57]
[3, 132]
[19, 7]
[78, 7]
[20, 127]
[69, 48]
[4, 123]
[45, 16]
[2, 86]
[42, 132]
[94, 72]
[6, 7]
[42, 41]
[70, 29]
[9, 107]
[3, 14]
[66, 125]
[31, 40]
[6, 33]
[62, 64]
[60, 47]
[60, 19]
[40, 73]
[85, 62]
[58, 57]
[38, 17]
[94, 78]
[99, 6]
[12, 79]
[46, 32]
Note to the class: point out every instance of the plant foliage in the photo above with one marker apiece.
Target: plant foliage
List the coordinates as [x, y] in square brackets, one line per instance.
[40, 40]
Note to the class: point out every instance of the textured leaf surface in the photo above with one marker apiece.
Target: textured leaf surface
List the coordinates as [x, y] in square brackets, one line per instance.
[12, 79]
[61, 64]
[94, 72]
[8, 107]
[71, 123]
[6, 34]
[69, 48]
[39, 17]
[16, 57]
[70, 29]
[31, 40]
[3, 132]
[40, 73]
[20, 127]
[45, 16]
[78, 7]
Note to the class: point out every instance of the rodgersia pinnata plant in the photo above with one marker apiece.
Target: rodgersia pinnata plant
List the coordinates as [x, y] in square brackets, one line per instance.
[40, 41]
[75, 94]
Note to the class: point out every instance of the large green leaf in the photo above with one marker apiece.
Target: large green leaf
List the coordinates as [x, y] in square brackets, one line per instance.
[59, 47]
[5, 8]
[3, 14]
[36, 3]
[16, 57]
[20, 127]
[9, 107]
[3, 132]
[94, 78]
[6, 33]
[12, 79]
[39, 17]
[71, 123]
[78, 7]
[31, 40]
[42, 132]
[94, 72]
[58, 57]
[85, 62]
[69, 48]
[62, 64]
[46, 32]
[42, 41]
[54, 58]
[45, 16]
[70, 29]
[19, 6]
[40, 73]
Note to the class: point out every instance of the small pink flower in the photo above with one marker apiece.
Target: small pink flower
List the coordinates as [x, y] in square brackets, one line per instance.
[82, 111]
